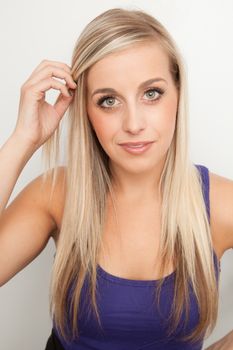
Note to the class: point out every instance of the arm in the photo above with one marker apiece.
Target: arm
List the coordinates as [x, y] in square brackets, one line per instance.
[27, 224]
[14, 155]
[225, 343]
[37, 121]
[221, 209]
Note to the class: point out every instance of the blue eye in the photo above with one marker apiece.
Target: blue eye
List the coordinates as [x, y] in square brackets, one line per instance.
[151, 93]
[106, 98]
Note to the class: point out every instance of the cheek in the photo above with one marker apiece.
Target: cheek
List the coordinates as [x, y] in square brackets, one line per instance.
[165, 123]
[103, 127]
[101, 131]
[170, 111]
[170, 120]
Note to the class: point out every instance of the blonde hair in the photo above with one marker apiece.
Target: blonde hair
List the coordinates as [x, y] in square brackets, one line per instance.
[185, 232]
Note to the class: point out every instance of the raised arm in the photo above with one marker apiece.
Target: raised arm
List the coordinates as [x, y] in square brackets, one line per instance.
[25, 228]
[28, 222]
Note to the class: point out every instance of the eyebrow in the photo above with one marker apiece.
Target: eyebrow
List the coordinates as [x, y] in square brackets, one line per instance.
[142, 85]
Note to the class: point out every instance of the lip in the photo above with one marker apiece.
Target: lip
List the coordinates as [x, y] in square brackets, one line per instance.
[139, 150]
[135, 143]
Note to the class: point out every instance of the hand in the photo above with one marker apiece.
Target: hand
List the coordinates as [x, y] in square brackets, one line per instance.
[37, 119]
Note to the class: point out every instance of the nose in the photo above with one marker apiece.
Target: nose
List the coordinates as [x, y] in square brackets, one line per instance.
[133, 120]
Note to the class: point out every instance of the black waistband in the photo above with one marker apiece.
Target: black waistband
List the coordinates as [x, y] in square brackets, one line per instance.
[53, 343]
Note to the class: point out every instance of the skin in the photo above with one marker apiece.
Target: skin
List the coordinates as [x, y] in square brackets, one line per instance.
[225, 343]
[136, 115]
[133, 119]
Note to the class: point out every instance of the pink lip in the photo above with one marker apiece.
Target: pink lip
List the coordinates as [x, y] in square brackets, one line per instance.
[139, 150]
[135, 143]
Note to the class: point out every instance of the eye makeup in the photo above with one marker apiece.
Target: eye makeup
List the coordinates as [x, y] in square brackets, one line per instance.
[103, 98]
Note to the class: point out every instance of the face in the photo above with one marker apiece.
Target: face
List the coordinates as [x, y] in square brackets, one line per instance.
[131, 97]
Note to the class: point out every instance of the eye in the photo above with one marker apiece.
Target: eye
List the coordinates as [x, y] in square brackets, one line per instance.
[110, 99]
[154, 92]
[105, 98]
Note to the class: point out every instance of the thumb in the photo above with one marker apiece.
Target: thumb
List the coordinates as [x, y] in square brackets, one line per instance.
[62, 103]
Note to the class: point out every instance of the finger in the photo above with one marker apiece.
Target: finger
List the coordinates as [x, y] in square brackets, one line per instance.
[44, 85]
[61, 104]
[45, 63]
[51, 71]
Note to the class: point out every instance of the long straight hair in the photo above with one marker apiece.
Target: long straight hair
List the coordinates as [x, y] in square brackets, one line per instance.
[185, 229]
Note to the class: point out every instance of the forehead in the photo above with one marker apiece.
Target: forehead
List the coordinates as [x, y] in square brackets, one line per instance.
[137, 62]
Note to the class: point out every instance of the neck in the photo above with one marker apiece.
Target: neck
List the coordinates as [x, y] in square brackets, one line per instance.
[135, 186]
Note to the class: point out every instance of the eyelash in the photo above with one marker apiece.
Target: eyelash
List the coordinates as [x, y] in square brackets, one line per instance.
[105, 97]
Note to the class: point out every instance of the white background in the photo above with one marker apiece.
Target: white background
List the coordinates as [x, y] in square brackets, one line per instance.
[34, 30]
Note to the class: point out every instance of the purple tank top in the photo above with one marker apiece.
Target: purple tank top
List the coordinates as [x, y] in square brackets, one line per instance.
[130, 320]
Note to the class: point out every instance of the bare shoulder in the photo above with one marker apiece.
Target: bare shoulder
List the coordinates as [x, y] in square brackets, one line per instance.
[221, 212]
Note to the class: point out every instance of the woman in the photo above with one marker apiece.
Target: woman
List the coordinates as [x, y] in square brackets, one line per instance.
[130, 214]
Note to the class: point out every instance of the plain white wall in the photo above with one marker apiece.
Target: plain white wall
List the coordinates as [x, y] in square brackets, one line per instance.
[31, 31]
